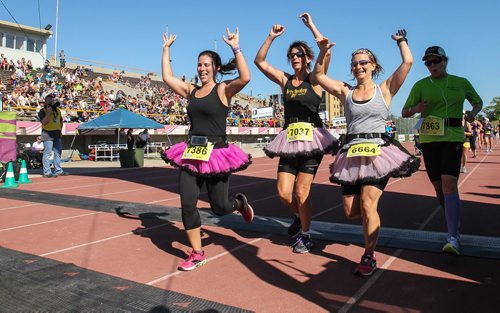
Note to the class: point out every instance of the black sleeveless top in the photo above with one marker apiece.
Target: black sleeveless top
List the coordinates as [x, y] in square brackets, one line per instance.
[301, 103]
[207, 115]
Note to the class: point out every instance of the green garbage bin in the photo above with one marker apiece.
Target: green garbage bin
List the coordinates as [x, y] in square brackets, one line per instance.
[139, 157]
[126, 157]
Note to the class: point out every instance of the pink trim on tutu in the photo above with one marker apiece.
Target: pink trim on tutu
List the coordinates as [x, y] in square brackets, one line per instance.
[222, 162]
[391, 162]
[323, 142]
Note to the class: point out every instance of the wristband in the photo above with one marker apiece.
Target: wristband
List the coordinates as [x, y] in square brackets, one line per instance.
[400, 40]
[236, 50]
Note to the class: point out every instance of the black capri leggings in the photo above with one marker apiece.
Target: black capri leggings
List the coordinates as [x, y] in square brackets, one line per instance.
[218, 196]
[472, 140]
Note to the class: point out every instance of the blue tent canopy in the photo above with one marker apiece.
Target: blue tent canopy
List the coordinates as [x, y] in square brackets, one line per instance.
[120, 118]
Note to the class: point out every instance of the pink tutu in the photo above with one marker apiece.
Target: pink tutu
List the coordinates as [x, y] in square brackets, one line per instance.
[393, 161]
[323, 142]
[222, 162]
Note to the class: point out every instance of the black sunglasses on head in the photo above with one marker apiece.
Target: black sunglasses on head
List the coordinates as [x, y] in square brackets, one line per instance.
[299, 54]
[435, 61]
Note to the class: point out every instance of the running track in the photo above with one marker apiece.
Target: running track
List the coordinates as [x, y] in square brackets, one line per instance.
[111, 241]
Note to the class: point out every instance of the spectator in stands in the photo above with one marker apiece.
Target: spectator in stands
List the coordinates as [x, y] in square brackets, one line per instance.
[51, 118]
[62, 59]
[300, 156]
[2, 85]
[207, 110]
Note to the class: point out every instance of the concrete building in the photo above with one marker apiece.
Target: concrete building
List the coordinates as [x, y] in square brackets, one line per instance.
[21, 41]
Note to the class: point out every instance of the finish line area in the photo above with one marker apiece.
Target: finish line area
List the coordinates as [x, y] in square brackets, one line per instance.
[110, 239]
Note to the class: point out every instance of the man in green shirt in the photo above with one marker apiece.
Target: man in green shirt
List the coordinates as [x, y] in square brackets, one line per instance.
[439, 98]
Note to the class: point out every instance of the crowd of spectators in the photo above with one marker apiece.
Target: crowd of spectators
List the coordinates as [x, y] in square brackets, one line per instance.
[83, 96]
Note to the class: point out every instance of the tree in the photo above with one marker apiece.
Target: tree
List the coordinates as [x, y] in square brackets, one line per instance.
[493, 110]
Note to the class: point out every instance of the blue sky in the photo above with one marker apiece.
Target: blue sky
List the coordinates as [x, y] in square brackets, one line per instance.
[128, 33]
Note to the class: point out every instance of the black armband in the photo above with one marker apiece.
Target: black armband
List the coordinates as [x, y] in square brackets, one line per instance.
[401, 40]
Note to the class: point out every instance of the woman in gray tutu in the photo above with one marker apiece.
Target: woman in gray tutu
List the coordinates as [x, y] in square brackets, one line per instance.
[369, 157]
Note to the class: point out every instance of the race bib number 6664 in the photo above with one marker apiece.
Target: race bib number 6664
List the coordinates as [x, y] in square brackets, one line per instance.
[363, 149]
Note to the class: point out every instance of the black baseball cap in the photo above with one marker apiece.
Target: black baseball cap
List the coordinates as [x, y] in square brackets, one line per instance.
[435, 51]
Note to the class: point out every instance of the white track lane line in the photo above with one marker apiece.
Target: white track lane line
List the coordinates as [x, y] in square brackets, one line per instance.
[371, 281]
[50, 221]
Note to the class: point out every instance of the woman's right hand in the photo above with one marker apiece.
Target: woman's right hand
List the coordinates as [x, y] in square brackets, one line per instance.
[324, 44]
[168, 40]
[277, 30]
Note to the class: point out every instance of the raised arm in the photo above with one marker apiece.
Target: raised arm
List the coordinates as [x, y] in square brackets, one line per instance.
[177, 85]
[276, 75]
[392, 84]
[234, 86]
[308, 21]
[334, 87]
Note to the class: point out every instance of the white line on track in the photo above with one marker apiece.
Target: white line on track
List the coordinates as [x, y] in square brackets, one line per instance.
[51, 221]
[100, 240]
[371, 281]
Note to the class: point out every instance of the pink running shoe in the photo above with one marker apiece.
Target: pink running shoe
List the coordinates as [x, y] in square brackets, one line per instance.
[193, 261]
[244, 208]
[367, 266]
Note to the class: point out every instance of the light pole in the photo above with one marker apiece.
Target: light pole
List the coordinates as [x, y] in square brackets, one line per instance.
[55, 37]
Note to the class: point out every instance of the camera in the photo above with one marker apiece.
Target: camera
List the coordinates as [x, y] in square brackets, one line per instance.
[53, 102]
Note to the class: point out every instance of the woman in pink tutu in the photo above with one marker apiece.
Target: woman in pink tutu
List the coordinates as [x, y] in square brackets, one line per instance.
[207, 158]
[369, 157]
[303, 141]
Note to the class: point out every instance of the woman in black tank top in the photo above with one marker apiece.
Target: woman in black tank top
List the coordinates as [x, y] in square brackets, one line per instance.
[207, 158]
[303, 141]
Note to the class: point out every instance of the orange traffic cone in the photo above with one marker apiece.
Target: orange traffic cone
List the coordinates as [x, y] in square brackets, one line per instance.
[10, 180]
[23, 174]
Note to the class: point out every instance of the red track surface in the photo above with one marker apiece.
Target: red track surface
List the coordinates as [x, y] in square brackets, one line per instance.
[258, 271]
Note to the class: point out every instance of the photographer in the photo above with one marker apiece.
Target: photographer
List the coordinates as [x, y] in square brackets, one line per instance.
[51, 119]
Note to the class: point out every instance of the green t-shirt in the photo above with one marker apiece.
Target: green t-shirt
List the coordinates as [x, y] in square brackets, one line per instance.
[445, 98]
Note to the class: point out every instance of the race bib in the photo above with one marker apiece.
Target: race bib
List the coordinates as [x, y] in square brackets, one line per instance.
[432, 126]
[300, 131]
[363, 149]
[200, 153]
[488, 132]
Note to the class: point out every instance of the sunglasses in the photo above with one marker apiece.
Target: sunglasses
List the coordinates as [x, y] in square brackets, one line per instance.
[430, 62]
[299, 54]
[360, 62]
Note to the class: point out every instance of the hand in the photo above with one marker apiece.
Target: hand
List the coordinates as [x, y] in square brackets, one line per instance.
[401, 33]
[324, 44]
[307, 19]
[168, 40]
[277, 30]
[420, 107]
[232, 38]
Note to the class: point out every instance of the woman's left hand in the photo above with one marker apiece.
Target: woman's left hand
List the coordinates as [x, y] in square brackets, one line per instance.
[232, 38]
[401, 33]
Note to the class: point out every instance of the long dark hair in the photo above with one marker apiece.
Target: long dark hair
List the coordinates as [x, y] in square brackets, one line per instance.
[225, 69]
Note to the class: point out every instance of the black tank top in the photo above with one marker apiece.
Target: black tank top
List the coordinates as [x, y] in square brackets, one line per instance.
[207, 115]
[301, 103]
